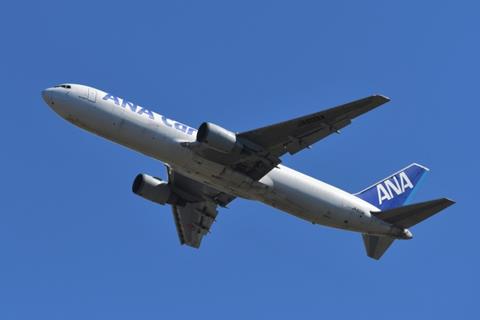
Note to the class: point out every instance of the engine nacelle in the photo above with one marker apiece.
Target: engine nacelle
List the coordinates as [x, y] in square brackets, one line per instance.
[152, 189]
[218, 138]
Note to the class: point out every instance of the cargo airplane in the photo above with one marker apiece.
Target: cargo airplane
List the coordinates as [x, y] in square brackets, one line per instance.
[210, 166]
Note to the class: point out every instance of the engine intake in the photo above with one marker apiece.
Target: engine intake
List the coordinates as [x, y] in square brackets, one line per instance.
[153, 189]
[218, 138]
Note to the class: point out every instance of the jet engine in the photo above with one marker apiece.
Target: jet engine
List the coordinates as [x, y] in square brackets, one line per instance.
[218, 138]
[153, 189]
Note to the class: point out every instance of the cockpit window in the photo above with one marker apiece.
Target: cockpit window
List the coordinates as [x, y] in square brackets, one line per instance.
[66, 86]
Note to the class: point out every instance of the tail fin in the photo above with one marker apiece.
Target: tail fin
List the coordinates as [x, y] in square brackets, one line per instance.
[393, 191]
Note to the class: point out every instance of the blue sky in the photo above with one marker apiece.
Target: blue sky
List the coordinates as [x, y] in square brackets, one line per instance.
[77, 244]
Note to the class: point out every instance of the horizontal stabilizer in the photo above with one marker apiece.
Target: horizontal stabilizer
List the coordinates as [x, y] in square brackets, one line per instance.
[376, 245]
[410, 215]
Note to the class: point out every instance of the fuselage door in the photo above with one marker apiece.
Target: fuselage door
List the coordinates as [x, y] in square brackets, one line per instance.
[92, 95]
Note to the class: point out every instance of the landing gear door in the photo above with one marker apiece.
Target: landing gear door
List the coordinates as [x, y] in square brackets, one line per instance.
[92, 95]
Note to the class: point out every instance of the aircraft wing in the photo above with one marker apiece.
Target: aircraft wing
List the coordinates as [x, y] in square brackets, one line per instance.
[265, 146]
[197, 211]
[294, 135]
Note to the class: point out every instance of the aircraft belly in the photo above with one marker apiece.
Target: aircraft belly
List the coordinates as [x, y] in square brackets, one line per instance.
[318, 202]
[220, 177]
[307, 199]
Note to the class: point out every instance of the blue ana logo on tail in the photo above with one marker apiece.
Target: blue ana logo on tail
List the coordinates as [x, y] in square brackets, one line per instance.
[387, 189]
[394, 190]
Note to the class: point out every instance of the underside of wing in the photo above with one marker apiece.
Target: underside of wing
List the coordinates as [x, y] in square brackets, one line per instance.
[197, 210]
[193, 221]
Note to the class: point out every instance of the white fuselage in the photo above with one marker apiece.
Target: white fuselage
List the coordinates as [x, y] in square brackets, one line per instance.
[159, 137]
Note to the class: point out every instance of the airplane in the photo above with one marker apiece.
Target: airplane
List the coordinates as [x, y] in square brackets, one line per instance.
[210, 166]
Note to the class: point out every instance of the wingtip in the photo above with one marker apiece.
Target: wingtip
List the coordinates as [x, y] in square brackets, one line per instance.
[445, 202]
[450, 201]
[382, 97]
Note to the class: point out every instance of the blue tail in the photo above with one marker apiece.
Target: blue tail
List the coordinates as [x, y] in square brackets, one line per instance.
[393, 191]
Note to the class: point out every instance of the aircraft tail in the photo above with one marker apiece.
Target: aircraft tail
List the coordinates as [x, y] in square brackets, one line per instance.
[390, 195]
[403, 218]
[394, 190]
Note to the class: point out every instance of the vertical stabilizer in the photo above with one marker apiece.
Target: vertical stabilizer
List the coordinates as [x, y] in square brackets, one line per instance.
[393, 191]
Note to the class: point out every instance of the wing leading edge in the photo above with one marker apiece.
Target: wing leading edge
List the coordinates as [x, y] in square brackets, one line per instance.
[265, 146]
[297, 134]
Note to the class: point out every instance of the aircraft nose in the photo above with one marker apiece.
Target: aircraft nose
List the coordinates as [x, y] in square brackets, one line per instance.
[47, 96]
